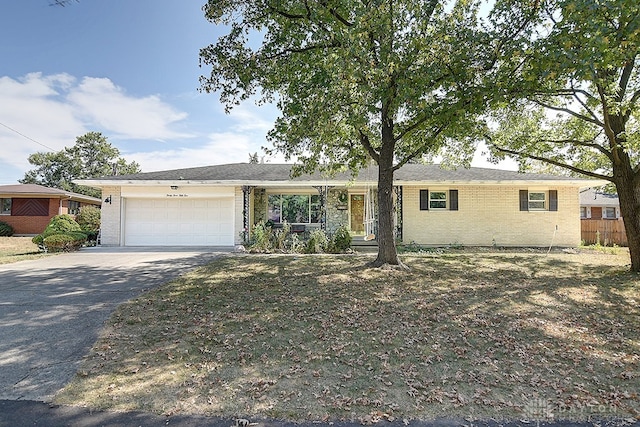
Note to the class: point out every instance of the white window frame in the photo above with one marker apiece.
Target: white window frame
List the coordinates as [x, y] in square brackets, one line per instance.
[433, 200]
[584, 212]
[309, 208]
[4, 211]
[606, 209]
[545, 200]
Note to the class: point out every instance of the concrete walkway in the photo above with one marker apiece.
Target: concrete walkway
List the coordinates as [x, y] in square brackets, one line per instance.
[52, 309]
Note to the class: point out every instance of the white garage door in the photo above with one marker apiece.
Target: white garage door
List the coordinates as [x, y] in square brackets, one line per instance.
[179, 222]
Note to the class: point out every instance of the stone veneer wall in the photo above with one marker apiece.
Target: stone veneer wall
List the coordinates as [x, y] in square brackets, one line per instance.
[259, 205]
[336, 217]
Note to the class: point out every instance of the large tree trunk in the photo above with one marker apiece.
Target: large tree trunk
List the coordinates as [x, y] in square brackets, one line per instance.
[387, 251]
[628, 188]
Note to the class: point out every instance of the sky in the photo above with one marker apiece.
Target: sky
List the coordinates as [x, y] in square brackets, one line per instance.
[128, 69]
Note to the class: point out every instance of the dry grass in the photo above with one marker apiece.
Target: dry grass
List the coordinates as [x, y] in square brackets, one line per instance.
[505, 335]
[14, 249]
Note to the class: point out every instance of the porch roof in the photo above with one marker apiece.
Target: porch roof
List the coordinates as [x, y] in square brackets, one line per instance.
[280, 175]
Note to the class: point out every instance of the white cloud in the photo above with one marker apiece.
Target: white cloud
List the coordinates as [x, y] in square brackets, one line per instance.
[221, 148]
[102, 102]
[55, 109]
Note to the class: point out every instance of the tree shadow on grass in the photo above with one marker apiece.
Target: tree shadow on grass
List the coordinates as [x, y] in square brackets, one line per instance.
[315, 337]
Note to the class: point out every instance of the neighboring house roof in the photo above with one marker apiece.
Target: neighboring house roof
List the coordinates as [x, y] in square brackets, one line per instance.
[280, 174]
[35, 190]
[591, 197]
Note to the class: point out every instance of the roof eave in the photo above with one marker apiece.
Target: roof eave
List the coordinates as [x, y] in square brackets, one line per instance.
[582, 183]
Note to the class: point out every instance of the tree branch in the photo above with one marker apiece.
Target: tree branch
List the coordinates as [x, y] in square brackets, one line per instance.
[309, 48]
[552, 162]
[627, 71]
[634, 98]
[570, 112]
[580, 143]
[336, 15]
[421, 149]
[364, 140]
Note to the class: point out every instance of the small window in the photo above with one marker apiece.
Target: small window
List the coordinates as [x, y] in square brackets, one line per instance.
[74, 207]
[583, 212]
[609, 213]
[5, 206]
[438, 200]
[537, 201]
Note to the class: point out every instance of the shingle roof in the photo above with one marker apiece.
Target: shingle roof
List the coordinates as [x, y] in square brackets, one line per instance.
[591, 197]
[270, 172]
[35, 189]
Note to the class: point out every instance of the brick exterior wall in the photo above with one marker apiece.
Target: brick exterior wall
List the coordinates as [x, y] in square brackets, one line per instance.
[110, 217]
[238, 217]
[490, 215]
[32, 225]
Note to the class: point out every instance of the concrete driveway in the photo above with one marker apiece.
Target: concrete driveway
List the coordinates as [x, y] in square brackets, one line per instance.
[52, 309]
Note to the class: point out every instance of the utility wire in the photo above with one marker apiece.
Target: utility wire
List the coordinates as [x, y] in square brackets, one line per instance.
[27, 137]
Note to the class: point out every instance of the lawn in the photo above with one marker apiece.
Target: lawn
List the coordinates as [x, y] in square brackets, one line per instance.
[14, 249]
[465, 334]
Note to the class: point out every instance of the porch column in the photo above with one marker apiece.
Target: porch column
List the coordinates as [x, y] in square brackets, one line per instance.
[398, 191]
[246, 205]
[323, 191]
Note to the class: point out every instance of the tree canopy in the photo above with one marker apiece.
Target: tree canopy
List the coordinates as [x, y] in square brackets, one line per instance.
[576, 86]
[92, 156]
[388, 80]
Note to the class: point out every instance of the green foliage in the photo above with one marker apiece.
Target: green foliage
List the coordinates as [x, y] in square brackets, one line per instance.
[576, 85]
[62, 224]
[280, 236]
[65, 242]
[317, 243]
[261, 235]
[92, 156]
[5, 229]
[341, 240]
[389, 80]
[89, 218]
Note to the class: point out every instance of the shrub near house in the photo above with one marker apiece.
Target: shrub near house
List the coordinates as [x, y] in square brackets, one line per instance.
[63, 234]
[5, 229]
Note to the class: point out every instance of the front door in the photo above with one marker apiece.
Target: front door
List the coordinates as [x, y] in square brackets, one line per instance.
[357, 213]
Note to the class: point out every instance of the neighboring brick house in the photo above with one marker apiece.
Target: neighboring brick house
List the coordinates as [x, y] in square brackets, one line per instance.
[596, 204]
[218, 205]
[28, 208]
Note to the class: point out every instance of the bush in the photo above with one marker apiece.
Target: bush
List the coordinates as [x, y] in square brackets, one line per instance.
[280, 236]
[61, 224]
[261, 238]
[5, 229]
[89, 218]
[317, 243]
[66, 242]
[341, 240]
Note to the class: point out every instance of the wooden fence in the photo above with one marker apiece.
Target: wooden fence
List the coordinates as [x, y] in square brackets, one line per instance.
[607, 232]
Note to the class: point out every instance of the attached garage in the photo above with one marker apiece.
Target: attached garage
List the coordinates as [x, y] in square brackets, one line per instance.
[178, 221]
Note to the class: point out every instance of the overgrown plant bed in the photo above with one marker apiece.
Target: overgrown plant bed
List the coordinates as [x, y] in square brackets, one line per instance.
[506, 335]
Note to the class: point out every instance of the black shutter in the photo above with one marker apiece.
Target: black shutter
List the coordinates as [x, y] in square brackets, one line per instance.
[424, 200]
[524, 200]
[453, 200]
[553, 200]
